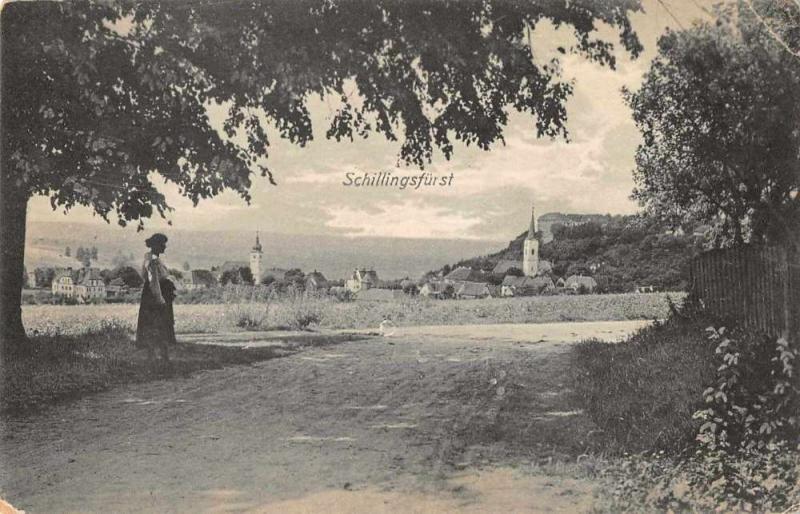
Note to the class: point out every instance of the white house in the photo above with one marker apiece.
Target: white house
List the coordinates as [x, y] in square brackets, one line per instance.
[91, 286]
[362, 278]
[434, 289]
[63, 283]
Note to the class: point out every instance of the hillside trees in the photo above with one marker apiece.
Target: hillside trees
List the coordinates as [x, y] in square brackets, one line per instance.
[130, 277]
[720, 114]
[104, 100]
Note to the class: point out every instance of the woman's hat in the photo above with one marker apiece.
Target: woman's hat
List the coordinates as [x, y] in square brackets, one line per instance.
[156, 239]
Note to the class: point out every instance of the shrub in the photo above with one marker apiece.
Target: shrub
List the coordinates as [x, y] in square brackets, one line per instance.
[305, 311]
[744, 454]
[248, 307]
[750, 422]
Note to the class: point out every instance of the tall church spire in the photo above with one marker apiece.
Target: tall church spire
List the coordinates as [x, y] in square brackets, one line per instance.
[530, 249]
[257, 246]
[532, 228]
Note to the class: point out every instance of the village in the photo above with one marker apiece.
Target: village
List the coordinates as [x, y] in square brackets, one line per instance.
[509, 278]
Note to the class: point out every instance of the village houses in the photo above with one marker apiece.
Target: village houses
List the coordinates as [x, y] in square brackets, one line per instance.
[84, 285]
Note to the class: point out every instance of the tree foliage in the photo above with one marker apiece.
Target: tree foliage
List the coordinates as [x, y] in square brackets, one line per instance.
[130, 277]
[112, 98]
[719, 111]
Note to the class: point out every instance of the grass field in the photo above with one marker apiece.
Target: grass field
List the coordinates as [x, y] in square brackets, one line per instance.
[332, 314]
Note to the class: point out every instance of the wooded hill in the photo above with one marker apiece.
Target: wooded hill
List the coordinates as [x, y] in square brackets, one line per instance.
[622, 254]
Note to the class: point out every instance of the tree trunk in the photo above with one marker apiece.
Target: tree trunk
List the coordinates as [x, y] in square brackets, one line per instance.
[13, 213]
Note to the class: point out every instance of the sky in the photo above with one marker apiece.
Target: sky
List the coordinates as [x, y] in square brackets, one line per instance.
[491, 192]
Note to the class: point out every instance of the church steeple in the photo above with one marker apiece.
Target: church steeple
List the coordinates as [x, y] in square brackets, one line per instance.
[256, 256]
[530, 249]
[532, 228]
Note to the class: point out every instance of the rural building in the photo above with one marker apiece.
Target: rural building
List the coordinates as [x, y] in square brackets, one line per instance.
[63, 283]
[434, 289]
[91, 286]
[472, 290]
[526, 286]
[362, 278]
[578, 282]
[316, 281]
[199, 279]
[116, 288]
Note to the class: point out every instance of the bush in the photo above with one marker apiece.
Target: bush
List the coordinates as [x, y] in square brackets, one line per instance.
[751, 421]
[711, 415]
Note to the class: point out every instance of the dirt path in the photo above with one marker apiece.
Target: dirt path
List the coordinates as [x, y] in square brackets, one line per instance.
[432, 419]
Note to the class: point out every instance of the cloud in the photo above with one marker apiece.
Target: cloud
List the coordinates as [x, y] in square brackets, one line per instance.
[411, 218]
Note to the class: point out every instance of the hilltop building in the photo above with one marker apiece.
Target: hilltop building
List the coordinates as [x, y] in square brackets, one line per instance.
[530, 251]
[549, 220]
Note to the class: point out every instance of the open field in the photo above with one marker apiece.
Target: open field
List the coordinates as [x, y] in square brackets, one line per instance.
[328, 313]
[436, 419]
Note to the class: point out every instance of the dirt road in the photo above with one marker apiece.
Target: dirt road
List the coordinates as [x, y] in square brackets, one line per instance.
[431, 419]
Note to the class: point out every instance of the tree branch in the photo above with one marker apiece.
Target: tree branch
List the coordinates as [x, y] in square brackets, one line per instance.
[771, 31]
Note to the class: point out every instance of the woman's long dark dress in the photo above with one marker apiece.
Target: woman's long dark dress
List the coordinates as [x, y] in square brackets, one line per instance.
[156, 324]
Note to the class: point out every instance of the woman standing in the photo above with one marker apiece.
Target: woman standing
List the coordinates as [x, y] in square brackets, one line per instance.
[156, 325]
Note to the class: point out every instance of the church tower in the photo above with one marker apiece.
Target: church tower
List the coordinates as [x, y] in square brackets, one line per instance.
[530, 255]
[255, 260]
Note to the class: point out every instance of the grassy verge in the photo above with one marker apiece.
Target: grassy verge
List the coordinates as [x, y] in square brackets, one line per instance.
[692, 420]
[53, 368]
[642, 393]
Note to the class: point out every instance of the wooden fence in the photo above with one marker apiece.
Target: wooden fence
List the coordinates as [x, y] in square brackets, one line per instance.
[756, 287]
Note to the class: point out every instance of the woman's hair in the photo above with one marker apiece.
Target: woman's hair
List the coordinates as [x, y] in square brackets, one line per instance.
[156, 239]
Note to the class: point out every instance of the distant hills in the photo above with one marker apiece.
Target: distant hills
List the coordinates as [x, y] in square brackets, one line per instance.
[620, 252]
[335, 256]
